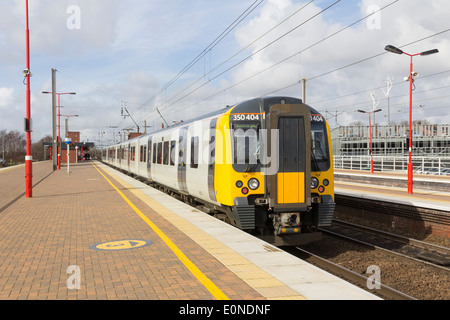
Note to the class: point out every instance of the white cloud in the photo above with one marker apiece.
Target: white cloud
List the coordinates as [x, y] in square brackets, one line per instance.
[400, 24]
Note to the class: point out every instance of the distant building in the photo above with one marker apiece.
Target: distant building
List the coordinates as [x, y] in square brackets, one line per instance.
[133, 135]
[77, 149]
[427, 140]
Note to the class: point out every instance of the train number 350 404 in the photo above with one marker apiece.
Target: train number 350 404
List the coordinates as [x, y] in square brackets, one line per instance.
[242, 117]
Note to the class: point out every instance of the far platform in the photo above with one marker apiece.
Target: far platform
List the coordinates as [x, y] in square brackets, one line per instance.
[429, 191]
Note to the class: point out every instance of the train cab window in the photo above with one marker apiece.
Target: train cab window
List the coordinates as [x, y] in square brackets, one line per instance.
[320, 157]
[245, 146]
[194, 152]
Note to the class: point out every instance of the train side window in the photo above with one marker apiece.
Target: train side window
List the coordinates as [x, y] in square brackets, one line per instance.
[159, 156]
[172, 152]
[194, 152]
[145, 154]
[154, 153]
[141, 154]
[166, 152]
[149, 151]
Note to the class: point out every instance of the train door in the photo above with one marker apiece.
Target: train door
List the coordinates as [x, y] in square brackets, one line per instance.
[289, 188]
[182, 158]
[128, 157]
[149, 158]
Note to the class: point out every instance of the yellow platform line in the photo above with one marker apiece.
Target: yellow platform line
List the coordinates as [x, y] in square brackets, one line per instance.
[262, 282]
[212, 288]
[11, 169]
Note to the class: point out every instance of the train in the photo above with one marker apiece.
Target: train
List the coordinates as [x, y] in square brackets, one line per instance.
[262, 165]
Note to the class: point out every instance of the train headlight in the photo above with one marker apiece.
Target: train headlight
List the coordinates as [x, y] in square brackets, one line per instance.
[314, 183]
[253, 183]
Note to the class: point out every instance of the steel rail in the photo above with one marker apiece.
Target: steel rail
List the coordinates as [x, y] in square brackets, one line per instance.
[349, 275]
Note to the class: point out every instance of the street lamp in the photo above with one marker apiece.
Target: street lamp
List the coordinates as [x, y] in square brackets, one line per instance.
[28, 157]
[411, 76]
[59, 123]
[370, 133]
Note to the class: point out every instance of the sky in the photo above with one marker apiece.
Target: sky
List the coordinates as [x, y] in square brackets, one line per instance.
[182, 59]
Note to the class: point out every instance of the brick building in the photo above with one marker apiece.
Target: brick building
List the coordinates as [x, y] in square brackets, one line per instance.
[77, 149]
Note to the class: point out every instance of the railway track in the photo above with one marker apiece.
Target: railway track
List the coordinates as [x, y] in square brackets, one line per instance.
[409, 269]
[435, 255]
[384, 291]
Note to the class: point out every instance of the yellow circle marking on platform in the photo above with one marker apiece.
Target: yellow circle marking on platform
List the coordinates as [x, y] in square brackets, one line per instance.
[121, 245]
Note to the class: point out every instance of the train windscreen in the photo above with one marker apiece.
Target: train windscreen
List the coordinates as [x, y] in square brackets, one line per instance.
[320, 156]
[245, 146]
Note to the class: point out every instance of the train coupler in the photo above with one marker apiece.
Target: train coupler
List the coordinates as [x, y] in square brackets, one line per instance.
[286, 223]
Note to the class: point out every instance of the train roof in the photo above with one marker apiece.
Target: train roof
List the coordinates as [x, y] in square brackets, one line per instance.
[256, 105]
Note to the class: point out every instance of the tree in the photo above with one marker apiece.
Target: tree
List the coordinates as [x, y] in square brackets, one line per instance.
[13, 146]
[37, 149]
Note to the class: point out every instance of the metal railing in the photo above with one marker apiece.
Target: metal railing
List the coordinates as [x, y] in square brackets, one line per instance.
[421, 165]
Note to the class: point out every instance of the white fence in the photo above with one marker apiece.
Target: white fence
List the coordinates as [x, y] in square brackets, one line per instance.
[421, 165]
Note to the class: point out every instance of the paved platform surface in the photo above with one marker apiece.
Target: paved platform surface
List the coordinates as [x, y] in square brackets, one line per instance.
[80, 237]
[383, 186]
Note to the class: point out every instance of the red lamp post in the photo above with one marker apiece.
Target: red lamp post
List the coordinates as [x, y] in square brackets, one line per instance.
[59, 122]
[370, 133]
[410, 78]
[28, 157]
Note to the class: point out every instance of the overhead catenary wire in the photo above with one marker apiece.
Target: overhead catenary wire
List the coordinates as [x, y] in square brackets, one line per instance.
[352, 64]
[253, 54]
[376, 88]
[214, 43]
[240, 51]
[283, 60]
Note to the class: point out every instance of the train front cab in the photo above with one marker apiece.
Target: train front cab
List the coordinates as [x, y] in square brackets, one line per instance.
[322, 177]
[273, 197]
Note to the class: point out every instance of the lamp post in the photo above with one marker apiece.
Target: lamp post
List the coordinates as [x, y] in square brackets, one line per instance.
[370, 133]
[59, 122]
[28, 157]
[410, 78]
[68, 142]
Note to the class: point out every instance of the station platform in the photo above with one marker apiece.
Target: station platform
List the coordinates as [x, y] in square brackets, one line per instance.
[429, 191]
[99, 234]
[383, 197]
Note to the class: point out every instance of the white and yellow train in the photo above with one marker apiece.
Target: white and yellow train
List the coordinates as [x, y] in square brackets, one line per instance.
[264, 165]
